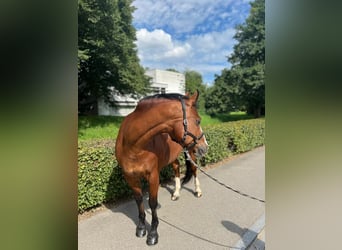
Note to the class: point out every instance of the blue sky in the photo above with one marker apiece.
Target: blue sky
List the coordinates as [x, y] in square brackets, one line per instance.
[188, 34]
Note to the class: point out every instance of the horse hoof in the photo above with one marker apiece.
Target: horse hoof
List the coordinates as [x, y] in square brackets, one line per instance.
[174, 198]
[152, 239]
[140, 232]
[198, 195]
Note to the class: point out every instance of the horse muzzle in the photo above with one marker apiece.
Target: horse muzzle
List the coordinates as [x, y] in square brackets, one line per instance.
[200, 150]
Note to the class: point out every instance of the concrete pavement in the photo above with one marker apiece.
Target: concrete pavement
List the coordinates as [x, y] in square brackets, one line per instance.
[220, 219]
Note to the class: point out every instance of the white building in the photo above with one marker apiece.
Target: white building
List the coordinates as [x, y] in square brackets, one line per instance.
[166, 81]
[162, 82]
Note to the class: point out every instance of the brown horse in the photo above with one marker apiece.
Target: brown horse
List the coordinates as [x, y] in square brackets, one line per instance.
[152, 137]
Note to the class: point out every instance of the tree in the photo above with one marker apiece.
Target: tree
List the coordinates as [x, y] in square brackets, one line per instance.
[107, 54]
[172, 70]
[248, 59]
[193, 82]
[217, 99]
[243, 84]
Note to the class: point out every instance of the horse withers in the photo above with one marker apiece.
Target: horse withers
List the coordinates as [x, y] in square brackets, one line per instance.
[152, 137]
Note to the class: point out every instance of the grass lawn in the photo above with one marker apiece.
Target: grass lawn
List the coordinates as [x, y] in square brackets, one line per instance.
[98, 127]
[107, 127]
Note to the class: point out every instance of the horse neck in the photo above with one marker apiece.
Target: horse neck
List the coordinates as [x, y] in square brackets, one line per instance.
[152, 121]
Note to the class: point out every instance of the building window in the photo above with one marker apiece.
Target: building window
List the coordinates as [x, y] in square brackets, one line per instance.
[155, 90]
[158, 90]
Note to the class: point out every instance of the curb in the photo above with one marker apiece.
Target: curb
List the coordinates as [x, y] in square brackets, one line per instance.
[251, 234]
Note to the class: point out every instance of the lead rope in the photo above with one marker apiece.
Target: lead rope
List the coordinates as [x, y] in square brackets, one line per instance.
[214, 179]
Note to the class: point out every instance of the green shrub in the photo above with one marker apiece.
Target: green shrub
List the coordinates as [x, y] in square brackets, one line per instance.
[231, 138]
[101, 180]
[99, 177]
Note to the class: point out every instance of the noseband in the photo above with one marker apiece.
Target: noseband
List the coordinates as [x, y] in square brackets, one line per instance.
[186, 132]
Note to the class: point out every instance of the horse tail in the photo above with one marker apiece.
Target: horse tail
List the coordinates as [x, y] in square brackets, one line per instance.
[188, 173]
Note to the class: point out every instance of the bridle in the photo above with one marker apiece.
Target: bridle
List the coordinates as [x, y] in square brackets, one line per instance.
[186, 132]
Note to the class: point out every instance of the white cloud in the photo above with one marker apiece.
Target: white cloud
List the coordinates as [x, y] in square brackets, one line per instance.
[204, 53]
[181, 16]
[158, 46]
[155, 40]
[179, 51]
[192, 34]
[213, 42]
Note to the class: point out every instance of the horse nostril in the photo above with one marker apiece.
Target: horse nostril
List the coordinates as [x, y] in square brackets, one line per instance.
[202, 150]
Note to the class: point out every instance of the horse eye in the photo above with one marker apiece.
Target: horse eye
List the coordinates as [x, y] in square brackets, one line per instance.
[198, 122]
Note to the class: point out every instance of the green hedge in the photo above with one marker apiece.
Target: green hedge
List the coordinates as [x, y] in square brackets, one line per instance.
[100, 179]
[231, 138]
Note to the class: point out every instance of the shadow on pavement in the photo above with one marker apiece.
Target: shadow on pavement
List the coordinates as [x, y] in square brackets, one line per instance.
[232, 227]
[131, 211]
[248, 236]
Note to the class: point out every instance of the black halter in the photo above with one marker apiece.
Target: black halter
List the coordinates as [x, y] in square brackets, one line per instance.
[186, 132]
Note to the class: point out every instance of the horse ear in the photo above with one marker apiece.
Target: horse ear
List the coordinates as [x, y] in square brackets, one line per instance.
[195, 96]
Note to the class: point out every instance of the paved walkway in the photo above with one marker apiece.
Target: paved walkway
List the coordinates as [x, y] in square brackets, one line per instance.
[220, 219]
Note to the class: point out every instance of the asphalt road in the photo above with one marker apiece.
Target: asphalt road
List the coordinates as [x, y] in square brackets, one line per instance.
[220, 219]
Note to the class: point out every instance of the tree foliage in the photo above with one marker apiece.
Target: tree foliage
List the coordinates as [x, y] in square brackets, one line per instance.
[107, 54]
[172, 70]
[220, 96]
[193, 82]
[242, 86]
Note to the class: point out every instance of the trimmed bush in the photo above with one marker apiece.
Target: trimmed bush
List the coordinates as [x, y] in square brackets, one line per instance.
[100, 178]
[231, 138]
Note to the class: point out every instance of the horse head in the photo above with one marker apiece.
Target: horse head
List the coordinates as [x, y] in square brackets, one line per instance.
[188, 132]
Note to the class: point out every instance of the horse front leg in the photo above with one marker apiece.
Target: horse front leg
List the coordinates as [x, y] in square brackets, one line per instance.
[152, 237]
[198, 191]
[176, 193]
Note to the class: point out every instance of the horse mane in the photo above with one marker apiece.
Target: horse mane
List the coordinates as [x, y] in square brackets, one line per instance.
[168, 96]
[158, 98]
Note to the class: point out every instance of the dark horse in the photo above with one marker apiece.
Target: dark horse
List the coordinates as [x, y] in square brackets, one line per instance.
[152, 137]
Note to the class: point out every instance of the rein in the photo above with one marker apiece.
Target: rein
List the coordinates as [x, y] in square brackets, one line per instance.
[186, 132]
[188, 158]
[186, 149]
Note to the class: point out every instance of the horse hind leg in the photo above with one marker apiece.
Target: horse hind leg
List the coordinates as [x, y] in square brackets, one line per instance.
[176, 193]
[152, 237]
[135, 185]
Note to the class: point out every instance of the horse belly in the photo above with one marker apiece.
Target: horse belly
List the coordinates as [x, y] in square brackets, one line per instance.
[139, 165]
